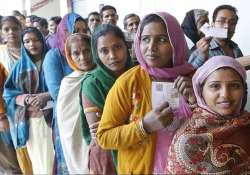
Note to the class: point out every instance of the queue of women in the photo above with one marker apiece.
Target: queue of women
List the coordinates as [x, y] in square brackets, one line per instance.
[83, 107]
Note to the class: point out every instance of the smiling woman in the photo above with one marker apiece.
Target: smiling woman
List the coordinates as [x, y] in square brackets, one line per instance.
[215, 139]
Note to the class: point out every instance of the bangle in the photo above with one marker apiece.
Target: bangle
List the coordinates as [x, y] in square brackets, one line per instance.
[26, 100]
[143, 131]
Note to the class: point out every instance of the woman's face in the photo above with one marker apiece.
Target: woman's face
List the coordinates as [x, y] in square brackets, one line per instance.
[80, 27]
[155, 45]
[223, 92]
[33, 45]
[28, 22]
[81, 55]
[112, 51]
[11, 32]
[52, 26]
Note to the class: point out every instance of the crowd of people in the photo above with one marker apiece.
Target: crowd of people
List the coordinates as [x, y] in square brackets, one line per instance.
[77, 95]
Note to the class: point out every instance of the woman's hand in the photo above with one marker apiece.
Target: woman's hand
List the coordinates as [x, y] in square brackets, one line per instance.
[185, 88]
[4, 123]
[93, 129]
[158, 118]
[38, 100]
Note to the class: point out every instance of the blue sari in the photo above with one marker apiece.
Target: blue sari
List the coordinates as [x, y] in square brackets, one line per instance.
[23, 79]
[56, 68]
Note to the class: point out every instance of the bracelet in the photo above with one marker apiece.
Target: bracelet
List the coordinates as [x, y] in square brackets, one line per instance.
[26, 99]
[143, 131]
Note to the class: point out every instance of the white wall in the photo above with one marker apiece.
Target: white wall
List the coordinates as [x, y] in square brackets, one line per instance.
[178, 8]
[8, 6]
[49, 10]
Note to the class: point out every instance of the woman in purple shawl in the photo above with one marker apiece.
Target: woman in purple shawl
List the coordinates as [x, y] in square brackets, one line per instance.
[130, 123]
[55, 68]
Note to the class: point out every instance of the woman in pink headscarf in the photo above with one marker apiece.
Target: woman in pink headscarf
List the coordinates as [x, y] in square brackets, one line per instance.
[216, 138]
[129, 123]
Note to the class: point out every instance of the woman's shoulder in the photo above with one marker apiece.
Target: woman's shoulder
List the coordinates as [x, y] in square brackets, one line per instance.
[52, 53]
[132, 74]
[73, 77]
[89, 80]
[52, 57]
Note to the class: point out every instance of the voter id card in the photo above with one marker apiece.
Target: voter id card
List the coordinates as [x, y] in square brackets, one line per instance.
[164, 91]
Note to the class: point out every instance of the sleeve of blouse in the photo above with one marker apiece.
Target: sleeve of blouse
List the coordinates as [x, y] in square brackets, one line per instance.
[53, 73]
[115, 131]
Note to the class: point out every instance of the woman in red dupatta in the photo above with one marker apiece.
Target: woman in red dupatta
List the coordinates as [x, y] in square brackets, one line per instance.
[216, 139]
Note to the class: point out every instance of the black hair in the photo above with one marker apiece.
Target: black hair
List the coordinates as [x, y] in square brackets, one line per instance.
[11, 19]
[42, 22]
[127, 17]
[106, 7]
[149, 19]
[104, 29]
[93, 13]
[56, 19]
[17, 13]
[38, 34]
[81, 19]
[32, 18]
[224, 7]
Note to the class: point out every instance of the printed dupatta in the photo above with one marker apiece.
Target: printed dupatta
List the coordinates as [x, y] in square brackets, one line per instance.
[209, 143]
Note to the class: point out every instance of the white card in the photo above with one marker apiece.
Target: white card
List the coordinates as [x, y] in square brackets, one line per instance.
[49, 105]
[215, 32]
[164, 91]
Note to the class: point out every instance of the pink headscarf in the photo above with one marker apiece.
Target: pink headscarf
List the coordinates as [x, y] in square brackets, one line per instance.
[180, 67]
[179, 46]
[209, 67]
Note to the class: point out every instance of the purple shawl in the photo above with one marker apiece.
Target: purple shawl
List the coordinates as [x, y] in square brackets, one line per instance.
[65, 27]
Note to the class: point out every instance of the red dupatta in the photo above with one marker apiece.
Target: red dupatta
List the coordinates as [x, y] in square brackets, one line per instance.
[211, 144]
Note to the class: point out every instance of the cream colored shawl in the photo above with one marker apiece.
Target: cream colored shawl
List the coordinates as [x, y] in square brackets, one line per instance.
[6, 58]
[74, 147]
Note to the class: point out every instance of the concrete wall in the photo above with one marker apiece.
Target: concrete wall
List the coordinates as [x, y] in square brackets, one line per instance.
[49, 10]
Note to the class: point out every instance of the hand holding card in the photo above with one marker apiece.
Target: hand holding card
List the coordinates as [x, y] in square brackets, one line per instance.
[215, 32]
[164, 91]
